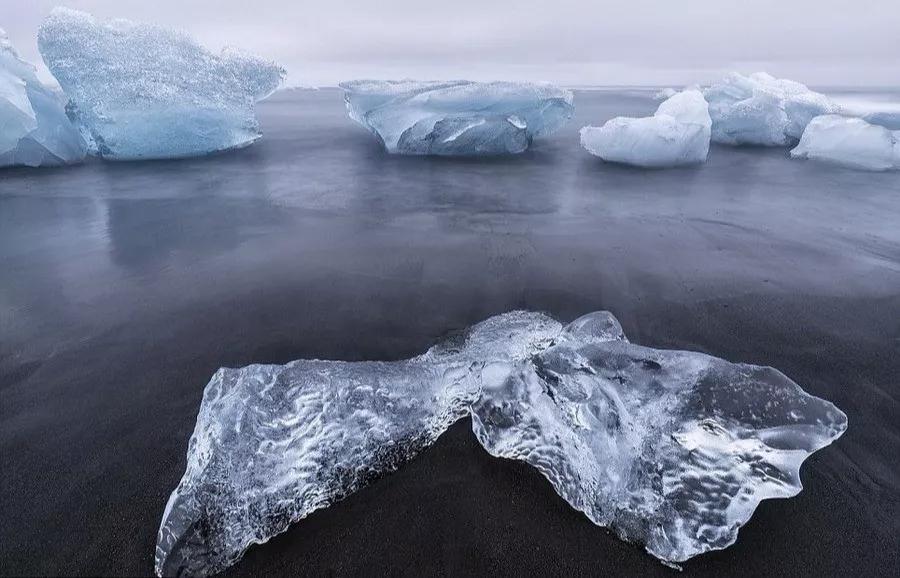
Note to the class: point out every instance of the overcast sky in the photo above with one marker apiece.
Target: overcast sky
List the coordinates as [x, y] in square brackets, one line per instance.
[571, 42]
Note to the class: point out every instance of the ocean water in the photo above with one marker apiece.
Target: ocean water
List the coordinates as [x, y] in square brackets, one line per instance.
[124, 286]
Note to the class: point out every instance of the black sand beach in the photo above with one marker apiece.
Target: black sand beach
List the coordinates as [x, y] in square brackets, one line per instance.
[125, 286]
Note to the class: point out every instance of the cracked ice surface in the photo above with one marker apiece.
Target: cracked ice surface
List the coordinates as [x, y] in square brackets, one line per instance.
[456, 118]
[670, 449]
[143, 92]
[34, 128]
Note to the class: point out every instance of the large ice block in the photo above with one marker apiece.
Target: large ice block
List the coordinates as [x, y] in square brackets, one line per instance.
[850, 142]
[459, 117]
[677, 134]
[671, 449]
[34, 129]
[274, 443]
[144, 92]
[762, 110]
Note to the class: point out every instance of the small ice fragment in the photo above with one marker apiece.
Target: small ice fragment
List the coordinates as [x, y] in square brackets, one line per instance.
[677, 134]
[144, 92]
[850, 142]
[457, 118]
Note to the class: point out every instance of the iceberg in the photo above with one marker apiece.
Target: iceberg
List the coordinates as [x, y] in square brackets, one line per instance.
[457, 118]
[850, 142]
[762, 110]
[34, 128]
[138, 91]
[671, 449]
[677, 134]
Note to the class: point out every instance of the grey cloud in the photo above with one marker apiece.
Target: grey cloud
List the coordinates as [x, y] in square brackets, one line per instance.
[569, 41]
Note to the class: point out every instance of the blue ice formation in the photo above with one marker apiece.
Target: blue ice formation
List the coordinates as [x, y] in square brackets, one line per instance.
[670, 449]
[138, 91]
[762, 110]
[850, 142]
[677, 134]
[459, 117]
[34, 129]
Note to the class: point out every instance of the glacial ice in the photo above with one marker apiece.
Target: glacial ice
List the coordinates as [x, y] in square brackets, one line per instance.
[762, 110]
[274, 443]
[677, 134]
[139, 91]
[850, 142]
[34, 129]
[671, 449]
[456, 118]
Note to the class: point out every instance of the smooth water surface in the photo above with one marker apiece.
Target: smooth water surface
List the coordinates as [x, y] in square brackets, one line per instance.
[124, 286]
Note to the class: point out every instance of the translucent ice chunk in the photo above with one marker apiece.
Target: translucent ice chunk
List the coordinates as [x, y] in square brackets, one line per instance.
[677, 134]
[850, 142]
[671, 449]
[34, 129]
[139, 91]
[274, 443]
[457, 117]
[762, 110]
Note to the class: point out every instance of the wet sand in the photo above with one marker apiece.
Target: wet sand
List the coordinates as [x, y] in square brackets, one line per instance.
[125, 286]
